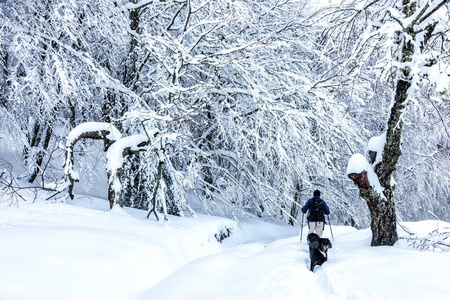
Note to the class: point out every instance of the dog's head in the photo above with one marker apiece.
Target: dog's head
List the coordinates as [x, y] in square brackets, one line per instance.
[325, 244]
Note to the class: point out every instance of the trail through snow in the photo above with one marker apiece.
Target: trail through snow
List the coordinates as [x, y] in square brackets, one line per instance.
[81, 250]
[280, 270]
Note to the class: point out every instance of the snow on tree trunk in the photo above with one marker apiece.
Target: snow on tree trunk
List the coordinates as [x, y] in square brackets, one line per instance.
[117, 148]
[115, 162]
[379, 199]
[90, 130]
[417, 25]
[381, 202]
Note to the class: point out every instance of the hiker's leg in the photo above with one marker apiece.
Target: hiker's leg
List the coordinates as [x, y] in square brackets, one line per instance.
[319, 228]
[311, 226]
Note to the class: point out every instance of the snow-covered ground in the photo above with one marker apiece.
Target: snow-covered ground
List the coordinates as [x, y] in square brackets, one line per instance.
[81, 250]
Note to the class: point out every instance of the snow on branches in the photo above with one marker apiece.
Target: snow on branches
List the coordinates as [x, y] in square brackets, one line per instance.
[361, 171]
[436, 240]
[92, 130]
[117, 148]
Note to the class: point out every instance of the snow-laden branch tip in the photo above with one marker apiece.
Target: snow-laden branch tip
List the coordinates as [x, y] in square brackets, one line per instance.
[115, 154]
[84, 128]
[140, 4]
[439, 76]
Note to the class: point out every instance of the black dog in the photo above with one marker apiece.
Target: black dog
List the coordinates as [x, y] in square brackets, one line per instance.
[318, 248]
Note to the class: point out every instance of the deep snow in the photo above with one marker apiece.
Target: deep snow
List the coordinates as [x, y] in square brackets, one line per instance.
[81, 250]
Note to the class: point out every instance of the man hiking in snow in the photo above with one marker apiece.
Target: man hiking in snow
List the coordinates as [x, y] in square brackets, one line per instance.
[317, 211]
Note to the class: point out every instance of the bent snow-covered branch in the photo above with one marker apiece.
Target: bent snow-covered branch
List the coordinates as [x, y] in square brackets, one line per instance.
[117, 148]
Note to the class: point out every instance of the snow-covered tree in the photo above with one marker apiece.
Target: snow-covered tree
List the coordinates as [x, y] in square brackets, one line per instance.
[406, 41]
[55, 59]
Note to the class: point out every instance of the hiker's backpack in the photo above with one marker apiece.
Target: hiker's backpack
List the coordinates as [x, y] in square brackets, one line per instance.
[316, 212]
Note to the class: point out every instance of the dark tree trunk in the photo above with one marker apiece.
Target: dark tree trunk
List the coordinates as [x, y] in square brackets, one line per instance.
[155, 190]
[208, 144]
[41, 154]
[383, 218]
[34, 139]
[40, 138]
[171, 205]
[295, 205]
[134, 177]
[382, 207]
[5, 83]
[383, 223]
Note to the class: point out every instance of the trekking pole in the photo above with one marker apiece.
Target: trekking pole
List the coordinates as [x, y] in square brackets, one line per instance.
[329, 223]
[301, 229]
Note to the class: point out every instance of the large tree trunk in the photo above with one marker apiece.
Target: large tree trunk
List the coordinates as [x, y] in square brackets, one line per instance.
[383, 218]
[383, 223]
[382, 210]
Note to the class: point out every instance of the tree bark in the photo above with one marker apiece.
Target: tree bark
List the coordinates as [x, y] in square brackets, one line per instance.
[294, 207]
[41, 154]
[155, 191]
[40, 139]
[383, 217]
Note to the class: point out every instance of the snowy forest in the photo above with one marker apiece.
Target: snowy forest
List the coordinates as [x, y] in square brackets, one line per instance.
[164, 149]
[231, 107]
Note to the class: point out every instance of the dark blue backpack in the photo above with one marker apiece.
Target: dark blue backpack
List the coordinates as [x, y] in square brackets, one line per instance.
[316, 213]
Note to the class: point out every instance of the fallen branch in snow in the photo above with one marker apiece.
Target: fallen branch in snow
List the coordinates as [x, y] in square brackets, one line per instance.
[10, 188]
[8, 184]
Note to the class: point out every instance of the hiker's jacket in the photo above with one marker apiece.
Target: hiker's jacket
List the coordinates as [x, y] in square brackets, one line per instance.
[308, 206]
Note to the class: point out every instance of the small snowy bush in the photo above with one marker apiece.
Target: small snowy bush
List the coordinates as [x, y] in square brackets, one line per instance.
[436, 240]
